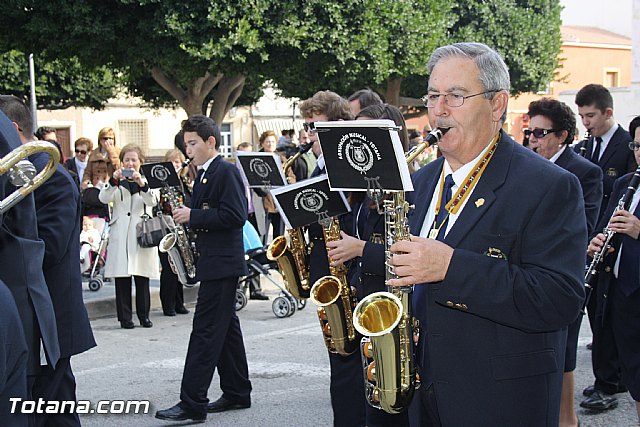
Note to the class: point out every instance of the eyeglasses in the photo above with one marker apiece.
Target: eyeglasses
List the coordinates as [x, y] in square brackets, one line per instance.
[539, 133]
[83, 152]
[310, 127]
[635, 146]
[451, 99]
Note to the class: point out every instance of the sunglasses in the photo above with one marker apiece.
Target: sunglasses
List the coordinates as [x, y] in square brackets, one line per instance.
[539, 133]
[83, 152]
[635, 146]
[107, 138]
[310, 127]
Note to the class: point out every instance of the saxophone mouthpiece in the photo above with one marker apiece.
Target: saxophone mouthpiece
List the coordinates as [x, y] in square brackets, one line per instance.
[436, 135]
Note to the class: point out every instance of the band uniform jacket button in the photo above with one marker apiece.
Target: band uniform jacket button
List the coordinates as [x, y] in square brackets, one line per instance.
[607, 269]
[464, 306]
[128, 213]
[450, 304]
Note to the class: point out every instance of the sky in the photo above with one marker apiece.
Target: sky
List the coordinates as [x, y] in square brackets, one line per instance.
[612, 15]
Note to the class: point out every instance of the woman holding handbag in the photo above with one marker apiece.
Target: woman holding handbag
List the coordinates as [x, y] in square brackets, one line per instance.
[131, 196]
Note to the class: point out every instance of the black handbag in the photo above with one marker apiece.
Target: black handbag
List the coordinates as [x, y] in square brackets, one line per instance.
[151, 230]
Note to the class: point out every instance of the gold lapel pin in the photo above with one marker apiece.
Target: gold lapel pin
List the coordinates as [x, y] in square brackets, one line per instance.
[204, 180]
[479, 202]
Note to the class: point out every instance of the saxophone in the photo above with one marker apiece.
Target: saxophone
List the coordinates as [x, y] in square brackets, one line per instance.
[292, 261]
[335, 301]
[385, 320]
[177, 246]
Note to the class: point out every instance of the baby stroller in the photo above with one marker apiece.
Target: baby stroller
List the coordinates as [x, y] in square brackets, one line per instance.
[257, 264]
[93, 266]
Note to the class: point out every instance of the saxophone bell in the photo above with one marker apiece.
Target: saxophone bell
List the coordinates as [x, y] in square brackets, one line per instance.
[292, 262]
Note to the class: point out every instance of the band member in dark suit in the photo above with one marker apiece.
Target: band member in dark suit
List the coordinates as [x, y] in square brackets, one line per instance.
[13, 360]
[551, 128]
[22, 252]
[362, 247]
[58, 217]
[498, 270]
[347, 401]
[218, 212]
[607, 147]
[621, 282]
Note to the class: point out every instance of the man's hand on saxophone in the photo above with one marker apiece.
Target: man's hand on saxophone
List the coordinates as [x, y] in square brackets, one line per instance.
[420, 260]
[181, 215]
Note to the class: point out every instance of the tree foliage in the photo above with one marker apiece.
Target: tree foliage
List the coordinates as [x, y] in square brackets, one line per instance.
[60, 83]
[205, 55]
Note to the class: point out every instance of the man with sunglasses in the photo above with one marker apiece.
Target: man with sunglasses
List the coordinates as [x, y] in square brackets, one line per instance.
[607, 147]
[551, 129]
[77, 164]
[498, 265]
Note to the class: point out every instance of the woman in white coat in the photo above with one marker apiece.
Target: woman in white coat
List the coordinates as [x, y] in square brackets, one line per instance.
[131, 198]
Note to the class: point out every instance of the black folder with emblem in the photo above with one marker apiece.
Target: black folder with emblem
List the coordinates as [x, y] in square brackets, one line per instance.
[160, 175]
[363, 155]
[261, 169]
[308, 201]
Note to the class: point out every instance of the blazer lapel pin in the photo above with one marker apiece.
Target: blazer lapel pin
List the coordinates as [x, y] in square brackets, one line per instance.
[204, 180]
[479, 202]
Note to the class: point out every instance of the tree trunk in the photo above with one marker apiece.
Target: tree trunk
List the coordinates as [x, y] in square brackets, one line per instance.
[227, 93]
[191, 99]
[393, 90]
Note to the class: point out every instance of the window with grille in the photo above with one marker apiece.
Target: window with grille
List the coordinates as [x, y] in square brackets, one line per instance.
[226, 149]
[133, 131]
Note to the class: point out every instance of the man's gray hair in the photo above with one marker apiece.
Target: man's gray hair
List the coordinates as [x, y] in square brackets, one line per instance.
[492, 70]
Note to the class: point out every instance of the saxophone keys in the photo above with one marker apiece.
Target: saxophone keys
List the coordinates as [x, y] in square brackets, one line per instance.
[371, 372]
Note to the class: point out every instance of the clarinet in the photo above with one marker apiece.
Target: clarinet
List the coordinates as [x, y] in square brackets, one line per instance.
[583, 147]
[591, 276]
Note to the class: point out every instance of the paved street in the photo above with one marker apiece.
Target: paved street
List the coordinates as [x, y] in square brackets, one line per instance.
[288, 367]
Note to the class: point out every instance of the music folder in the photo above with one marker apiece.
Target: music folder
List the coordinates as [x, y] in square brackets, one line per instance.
[364, 155]
[308, 201]
[160, 175]
[261, 169]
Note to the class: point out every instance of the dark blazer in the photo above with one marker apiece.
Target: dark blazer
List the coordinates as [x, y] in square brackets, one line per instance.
[70, 165]
[496, 324]
[22, 252]
[590, 177]
[616, 161]
[58, 215]
[13, 359]
[218, 212]
[604, 280]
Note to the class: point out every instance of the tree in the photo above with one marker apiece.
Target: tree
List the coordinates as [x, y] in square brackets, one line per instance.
[59, 83]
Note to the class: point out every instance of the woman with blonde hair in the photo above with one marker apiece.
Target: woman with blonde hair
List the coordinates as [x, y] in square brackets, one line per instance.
[103, 161]
[131, 197]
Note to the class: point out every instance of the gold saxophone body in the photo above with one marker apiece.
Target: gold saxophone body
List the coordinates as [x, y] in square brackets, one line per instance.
[177, 246]
[22, 173]
[385, 319]
[335, 301]
[292, 260]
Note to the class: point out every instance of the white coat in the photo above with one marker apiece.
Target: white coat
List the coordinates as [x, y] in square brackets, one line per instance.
[124, 257]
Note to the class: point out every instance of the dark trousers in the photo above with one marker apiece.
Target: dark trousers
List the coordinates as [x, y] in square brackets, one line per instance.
[123, 297]
[171, 292]
[215, 341]
[625, 323]
[604, 353]
[423, 411]
[56, 384]
[347, 390]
